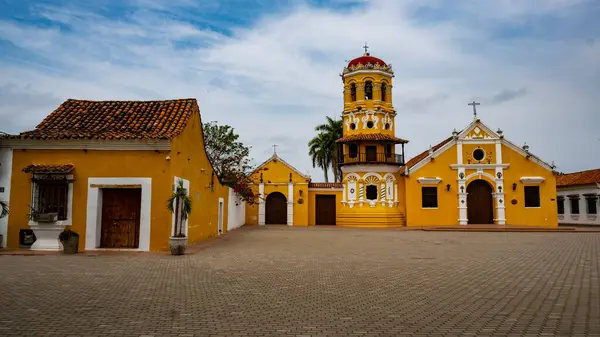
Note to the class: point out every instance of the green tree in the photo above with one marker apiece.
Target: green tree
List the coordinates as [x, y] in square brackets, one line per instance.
[225, 152]
[323, 149]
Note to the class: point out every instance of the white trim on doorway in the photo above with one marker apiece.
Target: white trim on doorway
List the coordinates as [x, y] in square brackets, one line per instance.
[94, 210]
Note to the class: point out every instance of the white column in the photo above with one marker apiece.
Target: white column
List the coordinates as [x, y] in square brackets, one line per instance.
[290, 205]
[462, 188]
[382, 193]
[500, 201]
[395, 193]
[344, 194]
[261, 204]
[361, 193]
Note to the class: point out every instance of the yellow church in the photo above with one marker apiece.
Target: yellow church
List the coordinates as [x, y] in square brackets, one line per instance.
[475, 176]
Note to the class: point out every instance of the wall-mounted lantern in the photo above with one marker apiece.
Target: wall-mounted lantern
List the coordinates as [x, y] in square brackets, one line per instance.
[300, 192]
[514, 186]
[448, 187]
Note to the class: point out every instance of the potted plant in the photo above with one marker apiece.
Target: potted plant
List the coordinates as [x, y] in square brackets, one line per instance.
[180, 204]
[69, 240]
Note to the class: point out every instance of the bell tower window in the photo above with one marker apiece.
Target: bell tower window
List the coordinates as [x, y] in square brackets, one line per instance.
[368, 90]
[383, 91]
[353, 92]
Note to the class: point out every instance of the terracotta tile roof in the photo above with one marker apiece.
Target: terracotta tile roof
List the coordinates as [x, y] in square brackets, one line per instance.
[578, 178]
[325, 185]
[371, 136]
[416, 159]
[49, 168]
[82, 119]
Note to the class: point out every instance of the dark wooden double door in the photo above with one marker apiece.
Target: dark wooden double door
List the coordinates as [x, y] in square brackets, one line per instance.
[325, 210]
[480, 204]
[120, 217]
[276, 209]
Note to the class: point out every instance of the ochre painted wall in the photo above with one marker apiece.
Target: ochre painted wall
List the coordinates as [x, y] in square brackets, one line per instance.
[312, 203]
[276, 177]
[189, 161]
[447, 211]
[98, 164]
[547, 214]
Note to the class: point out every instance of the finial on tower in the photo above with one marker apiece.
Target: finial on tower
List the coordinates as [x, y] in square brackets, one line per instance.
[366, 47]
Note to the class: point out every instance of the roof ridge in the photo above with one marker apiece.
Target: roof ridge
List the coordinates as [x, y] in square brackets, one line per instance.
[584, 171]
[131, 100]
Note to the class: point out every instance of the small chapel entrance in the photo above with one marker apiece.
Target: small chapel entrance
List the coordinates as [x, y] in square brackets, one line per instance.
[480, 206]
[276, 209]
[120, 218]
[325, 210]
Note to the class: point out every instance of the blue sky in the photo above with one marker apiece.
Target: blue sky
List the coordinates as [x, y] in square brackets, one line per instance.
[271, 68]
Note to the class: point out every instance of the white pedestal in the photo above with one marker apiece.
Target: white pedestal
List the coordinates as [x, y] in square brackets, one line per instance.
[46, 236]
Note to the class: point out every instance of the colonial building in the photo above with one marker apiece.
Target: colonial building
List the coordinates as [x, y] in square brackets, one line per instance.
[578, 197]
[106, 169]
[474, 176]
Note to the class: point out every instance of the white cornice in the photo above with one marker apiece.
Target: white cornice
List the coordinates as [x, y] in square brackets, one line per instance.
[367, 71]
[87, 144]
[527, 154]
[478, 166]
[325, 189]
[532, 180]
[370, 168]
[429, 180]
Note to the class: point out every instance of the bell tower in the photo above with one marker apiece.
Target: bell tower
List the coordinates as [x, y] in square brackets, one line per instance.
[369, 156]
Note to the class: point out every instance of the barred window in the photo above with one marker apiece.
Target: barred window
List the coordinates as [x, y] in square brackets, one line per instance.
[560, 204]
[574, 205]
[591, 204]
[52, 197]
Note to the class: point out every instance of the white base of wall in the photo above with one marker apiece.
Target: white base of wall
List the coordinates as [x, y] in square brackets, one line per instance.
[46, 237]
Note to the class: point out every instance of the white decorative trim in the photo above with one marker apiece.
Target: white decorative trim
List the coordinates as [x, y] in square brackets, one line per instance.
[290, 205]
[89, 144]
[478, 166]
[372, 174]
[366, 71]
[186, 185]
[477, 124]
[479, 174]
[532, 180]
[479, 140]
[221, 215]
[414, 168]
[370, 168]
[6, 159]
[526, 154]
[261, 204]
[94, 210]
[429, 180]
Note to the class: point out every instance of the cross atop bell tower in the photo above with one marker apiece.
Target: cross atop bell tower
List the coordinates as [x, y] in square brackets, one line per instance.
[366, 47]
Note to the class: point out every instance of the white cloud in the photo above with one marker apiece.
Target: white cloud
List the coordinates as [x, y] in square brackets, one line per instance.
[276, 80]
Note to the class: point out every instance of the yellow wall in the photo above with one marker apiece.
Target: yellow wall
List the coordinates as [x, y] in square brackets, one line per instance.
[189, 161]
[276, 177]
[447, 211]
[490, 154]
[98, 164]
[547, 214]
[312, 203]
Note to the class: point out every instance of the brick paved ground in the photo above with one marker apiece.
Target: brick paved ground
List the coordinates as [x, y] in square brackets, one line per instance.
[316, 282]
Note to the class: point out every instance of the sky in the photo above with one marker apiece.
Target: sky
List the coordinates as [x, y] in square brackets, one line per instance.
[270, 68]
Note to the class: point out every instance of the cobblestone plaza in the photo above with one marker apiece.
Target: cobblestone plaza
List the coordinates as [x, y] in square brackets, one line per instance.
[280, 281]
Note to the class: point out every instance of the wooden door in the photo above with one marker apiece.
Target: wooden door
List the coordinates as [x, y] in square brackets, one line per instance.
[480, 207]
[276, 209]
[325, 210]
[120, 217]
[371, 153]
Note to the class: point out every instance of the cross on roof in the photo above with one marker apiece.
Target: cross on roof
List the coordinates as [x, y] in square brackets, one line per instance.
[275, 148]
[474, 104]
[366, 47]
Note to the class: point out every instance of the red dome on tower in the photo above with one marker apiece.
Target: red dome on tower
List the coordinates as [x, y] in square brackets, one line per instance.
[365, 59]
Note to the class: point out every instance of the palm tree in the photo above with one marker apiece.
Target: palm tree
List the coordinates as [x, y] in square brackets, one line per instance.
[3, 208]
[324, 150]
[180, 204]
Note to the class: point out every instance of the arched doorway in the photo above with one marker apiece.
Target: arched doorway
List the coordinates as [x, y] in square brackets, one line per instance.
[480, 206]
[276, 209]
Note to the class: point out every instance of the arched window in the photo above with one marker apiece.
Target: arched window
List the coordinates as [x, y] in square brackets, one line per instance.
[353, 92]
[371, 192]
[368, 90]
[383, 91]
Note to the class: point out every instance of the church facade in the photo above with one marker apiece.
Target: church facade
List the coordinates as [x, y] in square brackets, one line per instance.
[474, 176]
